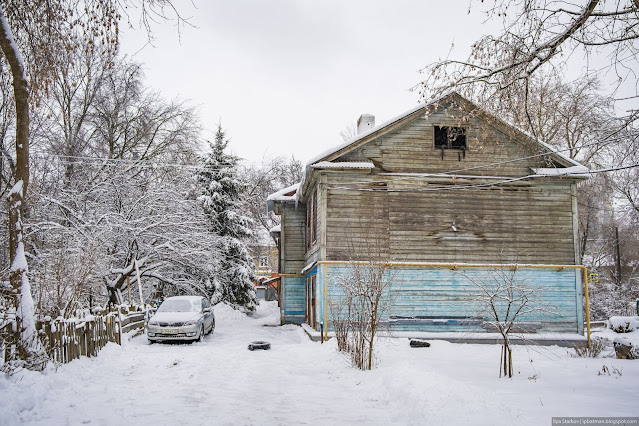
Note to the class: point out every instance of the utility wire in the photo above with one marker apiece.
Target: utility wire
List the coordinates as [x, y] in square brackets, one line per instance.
[461, 187]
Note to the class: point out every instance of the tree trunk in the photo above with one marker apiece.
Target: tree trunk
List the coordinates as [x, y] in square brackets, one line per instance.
[28, 345]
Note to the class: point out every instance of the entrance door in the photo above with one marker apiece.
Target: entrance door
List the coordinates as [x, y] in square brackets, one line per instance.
[307, 314]
[313, 307]
[310, 316]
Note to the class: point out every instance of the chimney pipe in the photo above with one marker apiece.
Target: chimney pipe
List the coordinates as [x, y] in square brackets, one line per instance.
[365, 122]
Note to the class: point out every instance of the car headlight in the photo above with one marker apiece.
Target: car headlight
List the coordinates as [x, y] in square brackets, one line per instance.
[190, 323]
[154, 323]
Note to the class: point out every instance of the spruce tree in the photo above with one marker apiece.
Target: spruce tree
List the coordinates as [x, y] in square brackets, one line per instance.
[221, 199]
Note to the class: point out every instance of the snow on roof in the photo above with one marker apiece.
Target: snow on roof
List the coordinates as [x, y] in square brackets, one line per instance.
[343, 165]
[552, 150]
[308, 267]
[271, 280]
[290, 193]
[343, 145]
[405, 114]
[284, 194]
[191, 298]
[574, 171]
[276, 228]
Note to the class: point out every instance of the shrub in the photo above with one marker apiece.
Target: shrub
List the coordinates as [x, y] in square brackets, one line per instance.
[597, 346]
[620, 324]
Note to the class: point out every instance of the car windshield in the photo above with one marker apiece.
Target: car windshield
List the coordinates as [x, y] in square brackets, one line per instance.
[179, 306]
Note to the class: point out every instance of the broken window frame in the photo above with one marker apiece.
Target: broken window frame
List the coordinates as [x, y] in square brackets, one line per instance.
[457, 140]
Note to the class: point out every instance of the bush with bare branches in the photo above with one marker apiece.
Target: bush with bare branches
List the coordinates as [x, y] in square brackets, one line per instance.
[365, 299]
[506, 299]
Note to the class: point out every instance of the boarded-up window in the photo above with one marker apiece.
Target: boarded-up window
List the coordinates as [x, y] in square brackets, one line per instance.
[448, 137]
[307, 236]
[311, 220]
[314, 218]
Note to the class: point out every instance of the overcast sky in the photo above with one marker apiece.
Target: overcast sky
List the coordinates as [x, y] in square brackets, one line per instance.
[285, 76]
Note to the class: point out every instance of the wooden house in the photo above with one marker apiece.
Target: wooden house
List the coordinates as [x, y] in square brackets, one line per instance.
[446, 192]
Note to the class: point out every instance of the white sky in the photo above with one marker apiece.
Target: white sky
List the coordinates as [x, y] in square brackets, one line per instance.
[285, 76]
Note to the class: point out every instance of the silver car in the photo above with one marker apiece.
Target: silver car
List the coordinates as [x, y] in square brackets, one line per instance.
[181, 318]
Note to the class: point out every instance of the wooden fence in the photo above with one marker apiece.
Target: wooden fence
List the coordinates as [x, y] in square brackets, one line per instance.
[6, 340]
[66, 340]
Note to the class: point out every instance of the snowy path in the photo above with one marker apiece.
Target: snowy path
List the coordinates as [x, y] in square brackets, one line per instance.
[219, 381]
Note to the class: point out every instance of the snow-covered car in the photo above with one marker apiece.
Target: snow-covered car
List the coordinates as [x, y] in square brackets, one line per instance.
[181, 318]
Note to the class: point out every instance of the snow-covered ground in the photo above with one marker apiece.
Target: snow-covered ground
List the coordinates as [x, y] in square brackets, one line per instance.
[219, 381]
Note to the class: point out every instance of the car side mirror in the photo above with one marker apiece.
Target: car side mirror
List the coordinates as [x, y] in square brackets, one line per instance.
[206, 310]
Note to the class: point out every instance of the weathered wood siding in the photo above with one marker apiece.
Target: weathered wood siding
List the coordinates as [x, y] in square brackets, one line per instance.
[293, 303]
[357, 223]
[440, 219]
[441, 299]
[507, 224]
[491, 147]
[522, 223]
[292, 242]
[405, 209]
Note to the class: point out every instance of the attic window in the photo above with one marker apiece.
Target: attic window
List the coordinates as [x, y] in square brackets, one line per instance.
[447, 137]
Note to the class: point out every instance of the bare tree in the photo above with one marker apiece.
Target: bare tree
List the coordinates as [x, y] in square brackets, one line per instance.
[32, 36]
[271, 175]
[519, 73]
[348, 132]
[536, 33]
[537, 39]
[364, 300]
[506, 299]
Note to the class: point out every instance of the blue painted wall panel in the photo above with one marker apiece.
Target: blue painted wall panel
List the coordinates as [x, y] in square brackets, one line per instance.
[441, 299]
[293, 304]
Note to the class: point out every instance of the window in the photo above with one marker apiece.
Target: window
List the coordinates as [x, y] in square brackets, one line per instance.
[314, 218]
[447, 137]
[311, 220]
[263, 262]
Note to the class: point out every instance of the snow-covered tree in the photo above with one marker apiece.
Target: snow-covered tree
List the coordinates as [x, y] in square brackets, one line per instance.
[112, 188]
[221, 200]
[263, 179]
[33, 36]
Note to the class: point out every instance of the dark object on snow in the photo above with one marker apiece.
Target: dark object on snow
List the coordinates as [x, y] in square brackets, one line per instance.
[417, 343]
[623, 349]
[259, 345]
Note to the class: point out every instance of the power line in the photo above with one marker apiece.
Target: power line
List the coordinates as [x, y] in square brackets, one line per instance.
[149, 162]
[140, 162]
[461, 187]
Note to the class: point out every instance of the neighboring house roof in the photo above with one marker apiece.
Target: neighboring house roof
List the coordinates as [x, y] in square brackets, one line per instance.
[287, 194]
[273, 280]
[276, 228]
[325, 159]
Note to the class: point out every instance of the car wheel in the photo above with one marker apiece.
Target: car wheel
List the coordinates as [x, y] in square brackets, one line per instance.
[201, 337]
[151, 341]
[212, 327]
